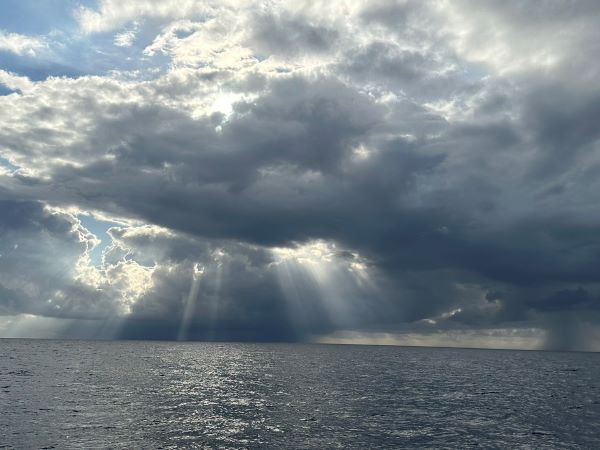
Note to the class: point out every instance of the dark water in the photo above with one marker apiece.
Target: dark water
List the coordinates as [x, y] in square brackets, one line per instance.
[76, 394]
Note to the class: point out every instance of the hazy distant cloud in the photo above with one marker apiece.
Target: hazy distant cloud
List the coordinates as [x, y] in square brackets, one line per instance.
[304, 168]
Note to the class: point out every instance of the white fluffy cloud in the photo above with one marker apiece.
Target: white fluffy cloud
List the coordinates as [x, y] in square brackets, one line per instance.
[21, 44]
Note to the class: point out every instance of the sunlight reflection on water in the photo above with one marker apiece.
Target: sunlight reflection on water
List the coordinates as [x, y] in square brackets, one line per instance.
[74, 394]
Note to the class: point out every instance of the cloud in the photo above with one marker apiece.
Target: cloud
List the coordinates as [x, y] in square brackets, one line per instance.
[21, 44]
[39, 251]
[285, 173]
[14, 82]
[113, 14]
[46, 270]
[516, 37]
[289, 35]
[515, 338]
[126, 38]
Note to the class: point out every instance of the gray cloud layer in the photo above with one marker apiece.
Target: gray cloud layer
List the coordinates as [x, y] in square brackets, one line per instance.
[298, 171]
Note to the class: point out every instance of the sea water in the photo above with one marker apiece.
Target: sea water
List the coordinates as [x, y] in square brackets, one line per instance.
[131, 394]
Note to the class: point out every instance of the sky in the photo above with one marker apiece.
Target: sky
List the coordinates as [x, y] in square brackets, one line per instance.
[384, 172]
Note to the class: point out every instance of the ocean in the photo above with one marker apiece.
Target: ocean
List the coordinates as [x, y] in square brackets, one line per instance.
[147, 394]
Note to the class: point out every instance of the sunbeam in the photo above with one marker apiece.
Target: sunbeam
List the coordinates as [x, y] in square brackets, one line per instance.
[190, 304]
[213, 299]
[287, 275]
[339, 281]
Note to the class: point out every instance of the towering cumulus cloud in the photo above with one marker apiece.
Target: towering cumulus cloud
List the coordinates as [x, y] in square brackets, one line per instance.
[388, 171]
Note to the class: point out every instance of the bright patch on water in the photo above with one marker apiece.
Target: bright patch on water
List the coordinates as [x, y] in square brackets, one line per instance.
[132, 394]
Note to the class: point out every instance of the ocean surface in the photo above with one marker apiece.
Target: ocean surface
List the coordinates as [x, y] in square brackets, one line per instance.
[83, 394]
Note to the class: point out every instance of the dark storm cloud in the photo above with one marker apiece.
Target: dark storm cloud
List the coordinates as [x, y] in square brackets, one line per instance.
[214, 188]
[382, 59]
[211, 288]
[290, 35]
[564, 122]
[394, 14]
[37, 252]
[30, 217]
[566, 299]
[248, 178]
[461, 167]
